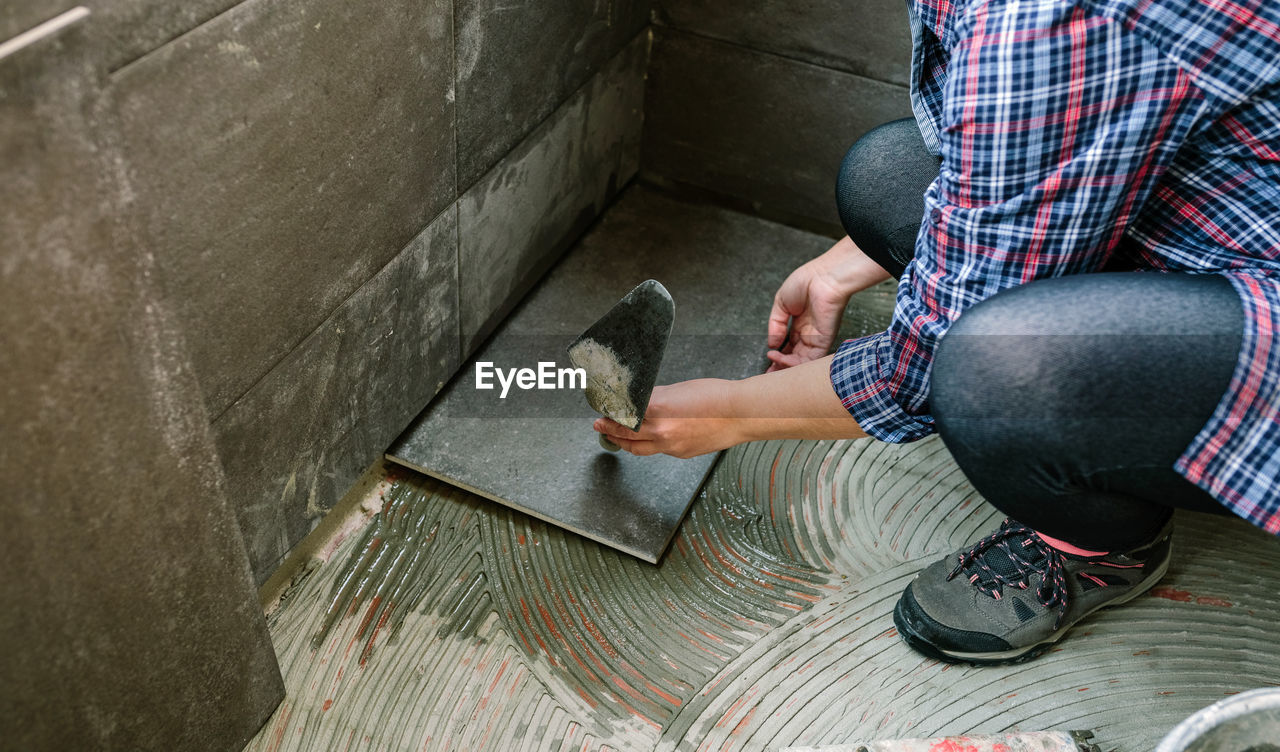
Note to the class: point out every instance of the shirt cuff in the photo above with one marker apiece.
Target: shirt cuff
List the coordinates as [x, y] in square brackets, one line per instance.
[865, 393]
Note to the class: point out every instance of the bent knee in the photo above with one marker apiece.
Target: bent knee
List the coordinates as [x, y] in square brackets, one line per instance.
[873, 156]
[991, 364]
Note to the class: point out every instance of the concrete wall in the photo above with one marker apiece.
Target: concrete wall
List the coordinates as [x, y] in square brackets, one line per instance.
[130, 616]
[317, 180]
[339, 194]
[754, 102]
[244, 245]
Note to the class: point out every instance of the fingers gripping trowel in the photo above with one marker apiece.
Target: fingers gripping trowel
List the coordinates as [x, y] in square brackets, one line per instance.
[621, 354]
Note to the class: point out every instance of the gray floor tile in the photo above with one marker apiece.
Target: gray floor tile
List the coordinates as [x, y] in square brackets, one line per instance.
[535, 450]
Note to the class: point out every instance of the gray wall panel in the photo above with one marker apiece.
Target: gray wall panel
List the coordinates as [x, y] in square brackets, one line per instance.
[517, 62]
[763, 131]
[517, 220]
[865, 37]
[130, 621]
[281, 155]
[120, 30]
[297, 441]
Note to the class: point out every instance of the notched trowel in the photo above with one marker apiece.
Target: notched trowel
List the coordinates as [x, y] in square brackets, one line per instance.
[621, 354]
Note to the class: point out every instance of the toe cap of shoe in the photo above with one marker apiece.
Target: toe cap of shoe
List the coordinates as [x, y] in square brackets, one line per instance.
[917, 623]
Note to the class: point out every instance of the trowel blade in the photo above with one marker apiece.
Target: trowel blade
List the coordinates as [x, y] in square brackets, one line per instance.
[621, 353]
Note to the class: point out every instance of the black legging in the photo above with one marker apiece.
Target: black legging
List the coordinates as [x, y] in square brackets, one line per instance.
[1065, 401]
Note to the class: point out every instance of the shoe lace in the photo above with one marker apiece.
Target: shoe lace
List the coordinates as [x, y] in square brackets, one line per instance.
[1027, 554]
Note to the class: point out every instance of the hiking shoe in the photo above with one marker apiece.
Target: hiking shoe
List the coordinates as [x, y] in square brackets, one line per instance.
[1011, 596]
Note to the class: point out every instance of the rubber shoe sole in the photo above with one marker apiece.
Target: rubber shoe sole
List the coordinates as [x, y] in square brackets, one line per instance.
[912, 636]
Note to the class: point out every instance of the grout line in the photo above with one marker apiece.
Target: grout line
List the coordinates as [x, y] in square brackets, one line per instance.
[453, 62]
[330, 316]
[534, 127]
[459, 350]
[456, 205]
[642, 147]
[43, 31]
[198, 25]
[348, 515]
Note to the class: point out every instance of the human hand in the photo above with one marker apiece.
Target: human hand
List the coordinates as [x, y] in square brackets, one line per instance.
[706, 415]
[812, 300]
[683, 420]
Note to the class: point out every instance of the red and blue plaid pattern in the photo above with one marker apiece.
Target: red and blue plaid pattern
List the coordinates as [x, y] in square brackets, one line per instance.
[1077, 134]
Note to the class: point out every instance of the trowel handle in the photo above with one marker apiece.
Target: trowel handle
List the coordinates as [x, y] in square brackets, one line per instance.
[604, 442]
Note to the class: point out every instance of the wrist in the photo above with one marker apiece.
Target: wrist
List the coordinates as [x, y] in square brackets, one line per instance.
[847, 270]
[735, 409]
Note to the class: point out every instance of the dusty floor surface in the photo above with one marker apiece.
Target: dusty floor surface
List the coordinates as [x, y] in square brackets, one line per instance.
[452, 623]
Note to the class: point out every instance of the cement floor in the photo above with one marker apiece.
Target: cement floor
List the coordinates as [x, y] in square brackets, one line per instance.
[452, 623]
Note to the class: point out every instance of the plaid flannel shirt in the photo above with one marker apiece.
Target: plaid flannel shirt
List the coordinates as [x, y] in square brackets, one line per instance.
[1075, 132]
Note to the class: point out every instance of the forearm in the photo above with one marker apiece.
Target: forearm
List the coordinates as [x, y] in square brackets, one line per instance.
[705, 415]
[795, 403]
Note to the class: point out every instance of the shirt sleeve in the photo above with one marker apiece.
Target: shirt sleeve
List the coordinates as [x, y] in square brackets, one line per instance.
[1057, 124]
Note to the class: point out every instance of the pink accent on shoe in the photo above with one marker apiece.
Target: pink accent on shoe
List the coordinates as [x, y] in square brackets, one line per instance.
[1113, 565]
[1067, 548]
[1095, 580]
